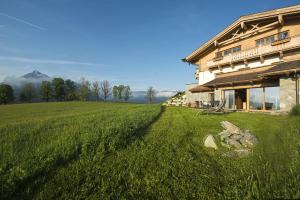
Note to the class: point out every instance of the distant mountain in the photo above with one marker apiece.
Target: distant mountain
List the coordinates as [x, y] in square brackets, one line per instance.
[161, 96]
[35, 75]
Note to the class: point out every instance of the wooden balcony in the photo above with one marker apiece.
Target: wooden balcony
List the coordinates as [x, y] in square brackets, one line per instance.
[244, 55]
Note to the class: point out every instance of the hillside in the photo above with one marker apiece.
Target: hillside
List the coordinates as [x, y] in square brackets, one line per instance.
[129, 151]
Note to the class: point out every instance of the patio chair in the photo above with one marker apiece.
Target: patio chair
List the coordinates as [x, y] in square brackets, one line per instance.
[217, 109]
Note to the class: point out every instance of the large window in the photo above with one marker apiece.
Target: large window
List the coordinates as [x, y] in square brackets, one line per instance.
[272, 98]
[283, 35]
[232, 50]
[265, 41]
[256, 98]
[220, 54]
[229, 97]
[272, 38]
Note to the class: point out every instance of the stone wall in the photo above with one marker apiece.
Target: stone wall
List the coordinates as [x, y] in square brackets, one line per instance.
[191, 98]
[287, 94]
[218, 95]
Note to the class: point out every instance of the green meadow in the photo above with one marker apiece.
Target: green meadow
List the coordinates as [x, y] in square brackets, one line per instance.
[136, 151]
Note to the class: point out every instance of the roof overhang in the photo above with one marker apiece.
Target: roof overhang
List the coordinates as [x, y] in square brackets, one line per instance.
[200, 88]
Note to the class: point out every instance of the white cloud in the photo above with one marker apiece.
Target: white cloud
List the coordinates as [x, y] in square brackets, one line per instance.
[46, 61]
[166, 93]
[22, 21]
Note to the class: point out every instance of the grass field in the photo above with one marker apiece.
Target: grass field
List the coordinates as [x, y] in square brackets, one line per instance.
[130, 151]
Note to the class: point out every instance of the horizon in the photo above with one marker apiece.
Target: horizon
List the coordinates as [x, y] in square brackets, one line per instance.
[88, 39]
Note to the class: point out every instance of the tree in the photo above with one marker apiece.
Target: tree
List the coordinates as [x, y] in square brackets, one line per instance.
[70, 88]
[27, 92]
[151, 94]
[96, 90]
[6, 94]
[105, 89]
[115, 92]
[84, 90]
[58, 88]
[120, 92]
[46, 90]
[127, 93]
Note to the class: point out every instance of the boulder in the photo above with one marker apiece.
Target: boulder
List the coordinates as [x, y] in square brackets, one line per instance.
[233, 143]
[242, 152]
[230, 127]
[225, 145]
[224, 134]
[248, 140]
[209, 142]
[236, 137]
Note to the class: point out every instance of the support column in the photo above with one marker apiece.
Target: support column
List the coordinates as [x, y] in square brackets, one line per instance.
[222, 95]
[264, 99]
[248, 99]
[297, 91]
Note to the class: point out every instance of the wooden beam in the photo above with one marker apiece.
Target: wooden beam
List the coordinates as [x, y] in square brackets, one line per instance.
[248, 99]
[297, 90]
[220, 68]
[216, 43]
[264, 99]
[254, 30]
[243, 26]
[280, 54]
[262, 59]
[280, 20]
[222, 94]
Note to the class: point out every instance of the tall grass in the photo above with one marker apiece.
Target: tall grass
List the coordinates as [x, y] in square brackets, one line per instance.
[32, 148]
[111, 152]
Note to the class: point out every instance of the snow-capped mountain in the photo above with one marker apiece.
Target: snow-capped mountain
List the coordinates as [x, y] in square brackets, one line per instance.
[35, 75]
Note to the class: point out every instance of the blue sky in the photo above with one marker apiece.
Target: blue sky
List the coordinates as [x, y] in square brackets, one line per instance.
[135, 42]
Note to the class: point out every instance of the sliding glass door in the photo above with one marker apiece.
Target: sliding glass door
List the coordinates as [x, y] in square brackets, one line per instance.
[272, 98]
[264, 98]
[256, 98]
[229, 97]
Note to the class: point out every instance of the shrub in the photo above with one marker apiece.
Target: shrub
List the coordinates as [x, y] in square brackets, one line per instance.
[295, 111]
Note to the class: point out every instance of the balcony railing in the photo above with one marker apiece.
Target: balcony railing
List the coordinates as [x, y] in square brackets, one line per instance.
[275, 47]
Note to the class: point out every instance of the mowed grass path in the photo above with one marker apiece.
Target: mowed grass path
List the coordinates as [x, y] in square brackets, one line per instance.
[167, 160]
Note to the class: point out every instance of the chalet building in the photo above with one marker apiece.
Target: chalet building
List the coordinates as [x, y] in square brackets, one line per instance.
[253, 64]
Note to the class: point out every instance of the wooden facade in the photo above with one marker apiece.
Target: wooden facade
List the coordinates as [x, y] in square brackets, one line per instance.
[244, 60]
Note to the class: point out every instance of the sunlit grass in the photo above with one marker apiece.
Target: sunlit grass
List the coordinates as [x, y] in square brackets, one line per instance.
[115, 151]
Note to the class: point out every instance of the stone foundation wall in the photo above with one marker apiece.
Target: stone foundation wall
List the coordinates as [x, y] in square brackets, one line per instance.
[287, 94]
[191, 98]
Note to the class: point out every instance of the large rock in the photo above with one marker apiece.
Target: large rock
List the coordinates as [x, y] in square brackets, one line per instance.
[242, 152]
[209, 142]
[233, 143]
[248, 140]
[224, 134]
[230, 127]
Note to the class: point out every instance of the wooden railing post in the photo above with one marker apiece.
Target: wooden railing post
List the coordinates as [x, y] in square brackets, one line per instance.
[248, 99]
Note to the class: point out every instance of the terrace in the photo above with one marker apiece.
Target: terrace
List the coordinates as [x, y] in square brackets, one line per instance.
[257, 52]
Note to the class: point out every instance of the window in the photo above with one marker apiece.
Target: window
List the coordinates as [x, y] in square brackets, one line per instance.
[232, 50]
[272, 98]
[236, 49]
[219, 54]
[283, 35]
[229, 97]
[256, 98]
[272, 38]
[265, 41]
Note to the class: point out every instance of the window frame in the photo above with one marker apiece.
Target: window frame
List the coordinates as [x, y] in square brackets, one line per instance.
[263, 41]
